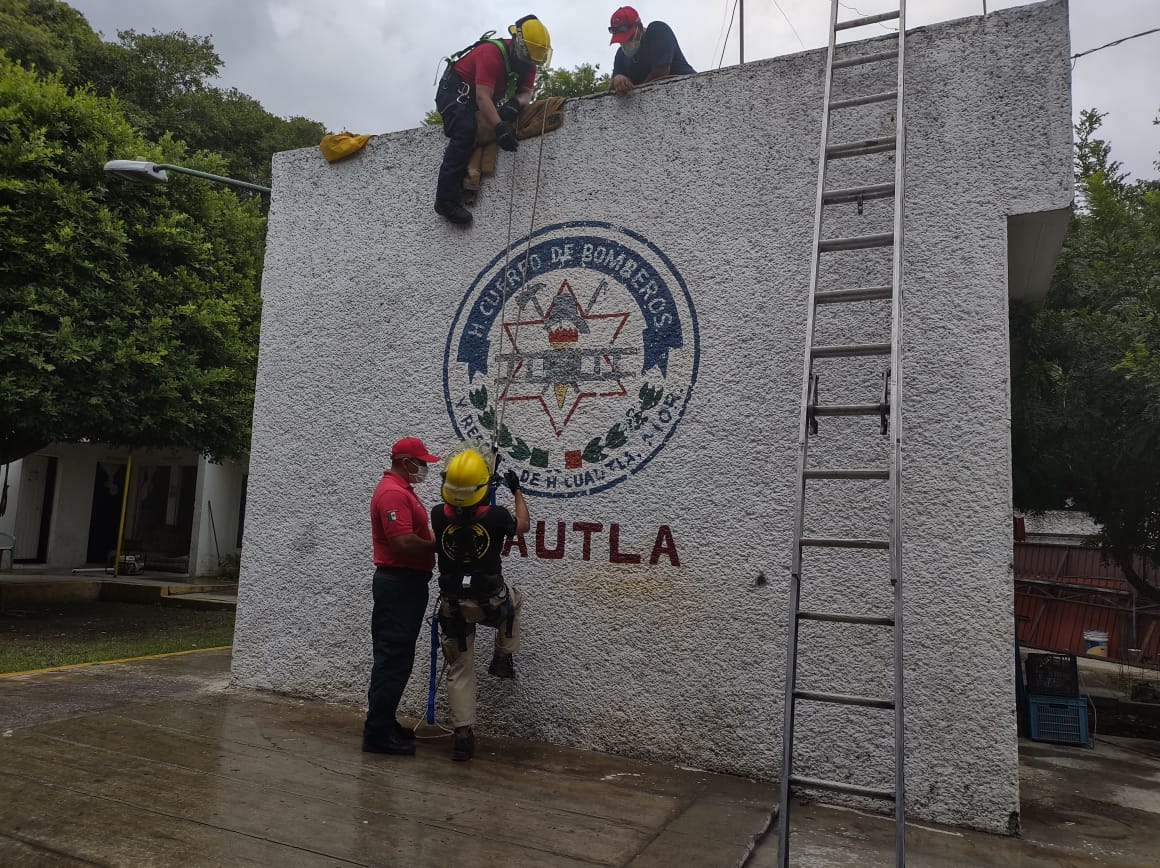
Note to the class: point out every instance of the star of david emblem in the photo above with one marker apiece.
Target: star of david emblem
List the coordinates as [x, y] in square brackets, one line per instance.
[564, 355]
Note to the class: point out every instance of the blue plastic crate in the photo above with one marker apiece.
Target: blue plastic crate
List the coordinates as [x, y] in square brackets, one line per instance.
[1058, 719]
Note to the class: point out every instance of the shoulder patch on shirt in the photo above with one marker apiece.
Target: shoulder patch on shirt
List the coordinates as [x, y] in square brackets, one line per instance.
[391, 515]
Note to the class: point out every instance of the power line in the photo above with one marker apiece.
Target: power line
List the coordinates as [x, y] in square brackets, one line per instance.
[1110, 44]
[725, 44]
[721, 30]
[790, 23]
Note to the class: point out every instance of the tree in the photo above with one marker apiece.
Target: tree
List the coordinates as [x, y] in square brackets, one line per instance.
[128, 314]
[1086, 403]
[581, 80]
[164, 82]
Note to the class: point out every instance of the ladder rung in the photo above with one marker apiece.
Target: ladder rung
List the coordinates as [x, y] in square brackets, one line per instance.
[869, 19]
[857, 149]
[865, 58]
[848, 473]
[854, 194]
[850, 410]
[864, 100]
[849, 351]
[844, 543]
[865, 293]
[856, 242]
[835, 786]
[844, 699]
[835, 618]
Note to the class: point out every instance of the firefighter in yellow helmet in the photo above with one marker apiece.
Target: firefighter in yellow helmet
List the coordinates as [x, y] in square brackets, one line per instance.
[469, 536]
[494, 77]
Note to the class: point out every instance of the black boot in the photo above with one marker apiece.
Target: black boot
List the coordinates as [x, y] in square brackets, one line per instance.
[464, 748]
[391, 743]
[502, 666]
[453, 211]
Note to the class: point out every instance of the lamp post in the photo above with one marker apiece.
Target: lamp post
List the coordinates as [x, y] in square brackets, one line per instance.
[144, 172]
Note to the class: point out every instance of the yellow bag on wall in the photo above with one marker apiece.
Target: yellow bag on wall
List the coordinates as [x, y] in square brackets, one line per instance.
[338, 146]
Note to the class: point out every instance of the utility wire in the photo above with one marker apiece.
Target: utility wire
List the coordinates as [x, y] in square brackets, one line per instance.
[725, 44]
[720, 30]
[790, 23]
[862, 14]
[1075, 57]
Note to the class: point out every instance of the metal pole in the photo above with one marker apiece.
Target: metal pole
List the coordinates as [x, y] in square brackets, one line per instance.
[121, 526]
[741, 34]
[221, 179]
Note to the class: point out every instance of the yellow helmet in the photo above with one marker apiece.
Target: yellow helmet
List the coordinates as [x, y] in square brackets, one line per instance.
[465, 479]
[531, 41]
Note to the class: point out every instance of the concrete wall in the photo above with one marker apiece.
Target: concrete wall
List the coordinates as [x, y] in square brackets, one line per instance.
[657, 584]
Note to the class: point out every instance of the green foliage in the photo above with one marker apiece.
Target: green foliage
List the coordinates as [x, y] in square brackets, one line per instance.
[162, 80]
[433, 119]
[129, 314]
[1086, 403]
[581, 80]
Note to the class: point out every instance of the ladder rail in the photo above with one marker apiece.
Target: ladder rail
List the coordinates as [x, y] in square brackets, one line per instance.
[800, 483]
[896, 449]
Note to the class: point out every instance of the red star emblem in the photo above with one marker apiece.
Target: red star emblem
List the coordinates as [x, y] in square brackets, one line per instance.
[559, 359]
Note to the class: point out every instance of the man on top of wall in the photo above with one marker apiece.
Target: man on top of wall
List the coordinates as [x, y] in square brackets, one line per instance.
[494, 77]
[645, 53]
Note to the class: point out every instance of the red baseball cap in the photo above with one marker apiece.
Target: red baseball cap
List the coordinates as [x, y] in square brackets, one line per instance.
[621, 24]
[412, 447]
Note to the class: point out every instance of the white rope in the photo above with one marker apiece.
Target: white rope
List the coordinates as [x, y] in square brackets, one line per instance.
[498, 409]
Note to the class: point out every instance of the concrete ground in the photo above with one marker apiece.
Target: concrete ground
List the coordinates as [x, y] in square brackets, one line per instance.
[158, 762]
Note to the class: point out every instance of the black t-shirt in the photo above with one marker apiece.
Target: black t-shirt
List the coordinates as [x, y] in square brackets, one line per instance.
[658, 47]
[471, 545]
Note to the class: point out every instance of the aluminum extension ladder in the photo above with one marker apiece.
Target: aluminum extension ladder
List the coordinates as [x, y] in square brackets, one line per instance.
[888, 409]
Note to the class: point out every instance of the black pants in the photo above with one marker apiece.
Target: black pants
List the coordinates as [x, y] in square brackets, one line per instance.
[459, 127]
[400, 604]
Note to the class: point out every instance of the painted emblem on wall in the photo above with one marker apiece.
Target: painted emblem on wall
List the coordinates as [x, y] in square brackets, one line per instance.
[579, 357]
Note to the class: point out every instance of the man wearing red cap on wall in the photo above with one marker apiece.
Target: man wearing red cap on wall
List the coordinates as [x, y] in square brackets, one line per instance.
[404, 553]
[645, 53]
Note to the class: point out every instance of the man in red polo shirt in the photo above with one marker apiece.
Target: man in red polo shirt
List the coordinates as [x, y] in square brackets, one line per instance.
[495, 77]
[404, 553]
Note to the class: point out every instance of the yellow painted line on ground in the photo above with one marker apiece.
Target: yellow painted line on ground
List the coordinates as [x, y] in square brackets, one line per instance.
[119, 660]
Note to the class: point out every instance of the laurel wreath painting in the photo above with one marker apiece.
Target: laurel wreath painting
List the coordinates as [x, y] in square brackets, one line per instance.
[594, 452]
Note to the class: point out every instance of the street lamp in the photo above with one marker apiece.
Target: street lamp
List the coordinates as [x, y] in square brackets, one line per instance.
[144, 172]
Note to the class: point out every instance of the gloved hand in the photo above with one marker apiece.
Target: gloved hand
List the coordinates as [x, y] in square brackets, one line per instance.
[513, 481]
[509, 112]
[505, 137]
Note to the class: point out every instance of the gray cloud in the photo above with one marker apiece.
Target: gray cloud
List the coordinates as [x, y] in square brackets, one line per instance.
[369, 65]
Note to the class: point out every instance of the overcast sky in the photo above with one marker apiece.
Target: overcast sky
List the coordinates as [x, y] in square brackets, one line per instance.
[370, 65]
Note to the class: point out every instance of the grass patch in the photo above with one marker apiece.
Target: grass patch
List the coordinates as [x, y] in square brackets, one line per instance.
[37, 636]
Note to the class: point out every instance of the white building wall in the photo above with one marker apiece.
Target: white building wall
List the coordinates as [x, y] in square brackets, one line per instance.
[8, 519]
[215, 518]
[668, 643]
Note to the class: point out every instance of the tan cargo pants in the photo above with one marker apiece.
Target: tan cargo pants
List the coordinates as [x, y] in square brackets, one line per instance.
[461, 681]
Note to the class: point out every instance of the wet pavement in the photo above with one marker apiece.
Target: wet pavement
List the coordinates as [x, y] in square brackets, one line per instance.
[158, 762]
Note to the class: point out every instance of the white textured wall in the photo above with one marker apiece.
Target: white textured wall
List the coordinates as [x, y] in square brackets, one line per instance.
[215, 517]
[709, 182]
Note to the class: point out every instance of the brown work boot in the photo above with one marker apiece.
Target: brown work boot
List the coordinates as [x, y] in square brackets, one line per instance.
[464, 748]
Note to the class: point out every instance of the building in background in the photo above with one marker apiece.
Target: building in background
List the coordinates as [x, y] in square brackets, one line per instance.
[184, 513]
